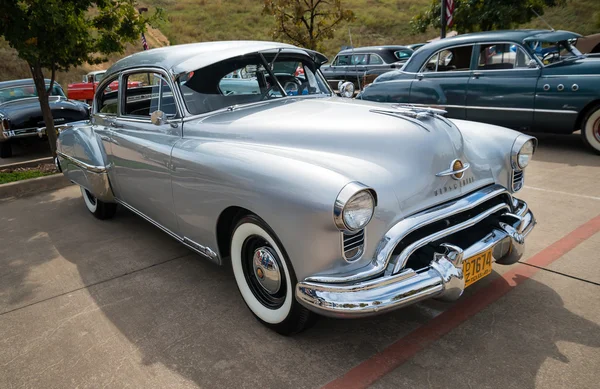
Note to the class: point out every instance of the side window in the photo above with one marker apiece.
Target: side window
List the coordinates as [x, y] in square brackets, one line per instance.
[343, 60]
[107, 98]
[374, 59]
[360, 59]
[454, 59]
[146, 93]
[241, 81]
[502, 56]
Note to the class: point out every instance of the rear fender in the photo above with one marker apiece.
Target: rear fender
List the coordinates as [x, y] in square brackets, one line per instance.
[82, 159]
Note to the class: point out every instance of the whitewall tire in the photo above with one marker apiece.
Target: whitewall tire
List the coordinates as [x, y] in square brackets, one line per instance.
[590, 130]
[98, 208]
[266, 278]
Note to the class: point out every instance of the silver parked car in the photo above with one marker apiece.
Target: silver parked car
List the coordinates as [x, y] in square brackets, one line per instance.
[319, 204]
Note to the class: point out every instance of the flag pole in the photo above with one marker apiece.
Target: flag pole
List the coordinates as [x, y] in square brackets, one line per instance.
[443, 19]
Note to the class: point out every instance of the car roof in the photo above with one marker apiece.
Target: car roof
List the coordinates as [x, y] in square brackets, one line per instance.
[192, 56]
[373, 49]
[22, 82]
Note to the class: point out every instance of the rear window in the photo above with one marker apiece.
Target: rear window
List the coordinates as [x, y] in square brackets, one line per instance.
[403, 54]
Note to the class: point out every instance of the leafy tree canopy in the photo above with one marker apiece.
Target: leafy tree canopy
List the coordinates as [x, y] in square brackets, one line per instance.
[59, 34]
[483, 15]
[307, 23]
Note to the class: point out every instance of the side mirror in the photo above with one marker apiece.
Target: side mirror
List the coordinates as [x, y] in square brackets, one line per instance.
[157, 118]
[532, 64]
[346, 89]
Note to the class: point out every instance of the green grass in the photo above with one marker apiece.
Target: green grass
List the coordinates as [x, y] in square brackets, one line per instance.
[5, 178]
[377, 22]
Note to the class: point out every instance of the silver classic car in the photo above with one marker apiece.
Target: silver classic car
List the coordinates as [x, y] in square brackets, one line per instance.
[319, 204]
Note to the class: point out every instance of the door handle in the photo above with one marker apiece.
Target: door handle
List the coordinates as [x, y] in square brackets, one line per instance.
[477, 74]
[113, 123]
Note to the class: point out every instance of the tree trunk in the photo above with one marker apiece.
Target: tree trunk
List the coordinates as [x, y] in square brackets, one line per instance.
[40, 86]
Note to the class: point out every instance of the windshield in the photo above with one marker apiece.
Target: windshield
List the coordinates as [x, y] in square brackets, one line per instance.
[553, 52]
[245, 80]
[25, 91]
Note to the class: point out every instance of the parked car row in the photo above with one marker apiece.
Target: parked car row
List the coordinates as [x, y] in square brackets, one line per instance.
[527, 80]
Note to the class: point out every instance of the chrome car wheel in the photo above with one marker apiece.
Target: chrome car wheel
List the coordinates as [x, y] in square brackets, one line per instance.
[590, 130]
[265, 277]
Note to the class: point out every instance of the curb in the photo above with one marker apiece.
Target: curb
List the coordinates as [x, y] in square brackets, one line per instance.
[32, 163]
[32, 186]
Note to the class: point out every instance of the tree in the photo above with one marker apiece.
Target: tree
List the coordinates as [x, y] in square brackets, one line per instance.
[54, 35]
[483, 15]
[307, 23]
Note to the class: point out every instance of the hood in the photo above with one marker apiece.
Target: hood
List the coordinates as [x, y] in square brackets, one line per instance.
[27, 113]
[583, 65]
[375, 144]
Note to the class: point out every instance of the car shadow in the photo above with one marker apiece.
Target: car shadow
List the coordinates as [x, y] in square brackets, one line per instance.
[565, 149]
[186, 314]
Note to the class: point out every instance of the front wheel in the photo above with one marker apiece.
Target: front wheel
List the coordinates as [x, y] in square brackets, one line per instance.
[590, 131]
[99, 209]
[265, 277]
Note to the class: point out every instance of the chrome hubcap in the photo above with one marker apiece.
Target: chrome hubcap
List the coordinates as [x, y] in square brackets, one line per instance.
[596, 129]
[266, 269]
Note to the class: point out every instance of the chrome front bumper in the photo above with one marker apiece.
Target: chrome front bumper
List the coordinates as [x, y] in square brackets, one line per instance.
[442, 279]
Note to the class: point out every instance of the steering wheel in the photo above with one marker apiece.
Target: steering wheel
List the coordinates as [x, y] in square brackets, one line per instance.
[549, 56]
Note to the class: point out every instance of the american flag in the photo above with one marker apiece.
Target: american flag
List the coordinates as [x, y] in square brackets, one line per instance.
[449, 12]
[145, 44]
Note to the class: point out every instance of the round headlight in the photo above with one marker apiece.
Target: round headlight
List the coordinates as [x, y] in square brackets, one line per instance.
[525, 154]
[359, 210]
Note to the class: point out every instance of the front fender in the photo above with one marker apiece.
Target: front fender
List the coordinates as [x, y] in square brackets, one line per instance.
[490, 145]
[83, 160]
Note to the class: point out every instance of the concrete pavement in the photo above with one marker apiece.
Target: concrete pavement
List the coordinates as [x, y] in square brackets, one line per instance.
[88, 303]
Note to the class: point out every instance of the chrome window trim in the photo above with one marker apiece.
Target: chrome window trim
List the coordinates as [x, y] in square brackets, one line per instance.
[518, 45]
[378, 56]
[164, 75]
[101, 86]
[472, 45]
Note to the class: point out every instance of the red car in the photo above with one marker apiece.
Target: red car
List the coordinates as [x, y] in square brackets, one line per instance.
[86, 89]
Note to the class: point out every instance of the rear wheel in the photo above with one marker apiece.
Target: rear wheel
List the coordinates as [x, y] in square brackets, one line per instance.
[590, 130]
[265, 277]
[5, 150]
[99, 209]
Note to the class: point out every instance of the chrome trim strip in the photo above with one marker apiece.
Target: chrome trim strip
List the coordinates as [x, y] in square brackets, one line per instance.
[451, 172]
[411, 223]
[83, 165]
[410, 249]
[206, 251]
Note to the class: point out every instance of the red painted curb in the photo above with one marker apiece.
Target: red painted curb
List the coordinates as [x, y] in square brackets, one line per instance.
[369, 371]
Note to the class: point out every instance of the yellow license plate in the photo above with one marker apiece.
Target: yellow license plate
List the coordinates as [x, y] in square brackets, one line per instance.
[477, 267]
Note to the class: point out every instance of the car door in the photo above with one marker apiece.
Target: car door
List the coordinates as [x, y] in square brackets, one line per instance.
[443, 79]
[502, 86]
[142, 145]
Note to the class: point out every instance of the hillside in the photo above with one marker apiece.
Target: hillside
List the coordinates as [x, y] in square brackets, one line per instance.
[377, 22]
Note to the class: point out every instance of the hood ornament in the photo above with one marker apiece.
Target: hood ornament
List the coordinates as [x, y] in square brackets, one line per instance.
[457, 170]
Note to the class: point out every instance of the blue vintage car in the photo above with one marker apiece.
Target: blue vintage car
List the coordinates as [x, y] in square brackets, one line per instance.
[529, 80]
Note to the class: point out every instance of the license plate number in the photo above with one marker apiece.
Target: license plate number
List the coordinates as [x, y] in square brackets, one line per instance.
[477, 267]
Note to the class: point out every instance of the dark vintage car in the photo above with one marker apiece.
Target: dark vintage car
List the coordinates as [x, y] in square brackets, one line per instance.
[529, 80]
[21, 114]
[354, 64]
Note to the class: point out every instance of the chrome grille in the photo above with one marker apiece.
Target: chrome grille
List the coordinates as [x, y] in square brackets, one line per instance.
[517, 180]
[353, 245]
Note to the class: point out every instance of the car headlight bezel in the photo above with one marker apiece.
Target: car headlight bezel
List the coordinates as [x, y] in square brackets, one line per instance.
[348, 196]
[523, 145]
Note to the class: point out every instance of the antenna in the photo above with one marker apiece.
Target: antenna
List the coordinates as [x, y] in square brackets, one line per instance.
[543, 20]
[355, 67]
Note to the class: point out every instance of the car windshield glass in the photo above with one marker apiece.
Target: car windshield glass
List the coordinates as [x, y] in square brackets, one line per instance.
[243, 80]
[403, 54]
[553, 52]
[99, 76]
[25, 91]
